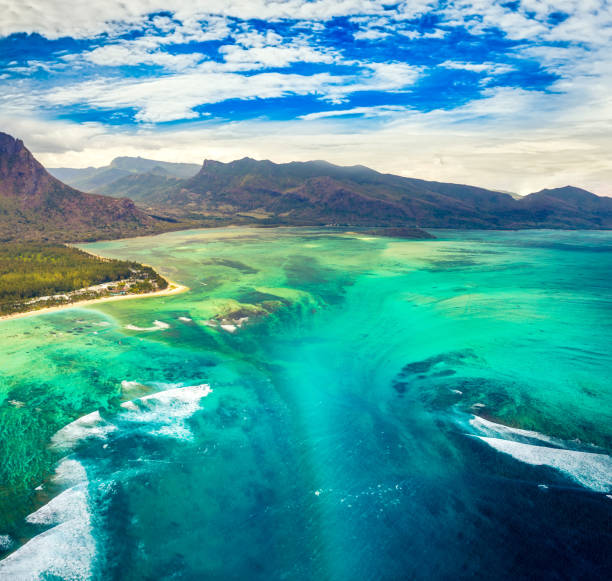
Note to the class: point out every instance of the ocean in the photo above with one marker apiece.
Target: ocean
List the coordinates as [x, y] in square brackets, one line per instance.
[319, 405]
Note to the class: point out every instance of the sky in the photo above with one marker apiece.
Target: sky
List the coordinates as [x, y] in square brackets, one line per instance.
[513, 95]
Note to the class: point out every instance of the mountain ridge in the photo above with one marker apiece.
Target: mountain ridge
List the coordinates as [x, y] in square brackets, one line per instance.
[96, 179]
[319, 193]
[35, 206]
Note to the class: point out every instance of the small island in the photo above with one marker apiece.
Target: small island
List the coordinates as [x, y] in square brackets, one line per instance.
[36, 276]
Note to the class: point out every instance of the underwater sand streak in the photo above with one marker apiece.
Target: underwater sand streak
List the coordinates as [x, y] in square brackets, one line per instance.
[307, 462]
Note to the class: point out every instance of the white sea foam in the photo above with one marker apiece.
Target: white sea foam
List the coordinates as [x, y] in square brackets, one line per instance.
[125, 384]
[5, 542]
[70, 504]
[187, 394]
[129, 405]
[232, 325]
[163, 386]
[591, 470]
[69, 472]
[65, 551]
[488, 428]
[167, 410]
[91, 425]
[130, 389]
[185, 319]
[157, 326]
[176, 430]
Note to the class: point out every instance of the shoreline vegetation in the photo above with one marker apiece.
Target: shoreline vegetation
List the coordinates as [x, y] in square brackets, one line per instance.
[173, 288]
[38, 279]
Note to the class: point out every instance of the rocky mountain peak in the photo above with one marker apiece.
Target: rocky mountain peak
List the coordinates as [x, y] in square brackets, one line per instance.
[36, 206]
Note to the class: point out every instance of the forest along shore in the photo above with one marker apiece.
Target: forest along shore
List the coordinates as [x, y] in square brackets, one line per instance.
[173, 288]
[40, 278]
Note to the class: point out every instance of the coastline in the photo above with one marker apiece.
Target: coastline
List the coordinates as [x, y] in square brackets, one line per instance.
[173, 288]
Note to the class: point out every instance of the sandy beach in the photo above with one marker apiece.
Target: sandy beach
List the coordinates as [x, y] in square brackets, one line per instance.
[173, 288]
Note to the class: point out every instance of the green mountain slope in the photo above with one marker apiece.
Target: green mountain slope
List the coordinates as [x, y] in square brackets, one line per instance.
[35, 206]
[321, 193]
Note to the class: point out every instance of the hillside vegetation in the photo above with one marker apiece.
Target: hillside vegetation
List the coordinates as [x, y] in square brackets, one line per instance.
[320, 193]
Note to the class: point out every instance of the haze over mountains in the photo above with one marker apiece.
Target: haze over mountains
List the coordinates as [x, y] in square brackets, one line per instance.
[36, 205]
[90, 178]
[130, 177]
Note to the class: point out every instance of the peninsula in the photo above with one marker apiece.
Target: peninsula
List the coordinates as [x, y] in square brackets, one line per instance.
[39, 278]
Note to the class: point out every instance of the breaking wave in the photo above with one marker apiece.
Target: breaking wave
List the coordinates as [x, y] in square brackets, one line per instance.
[65, 551]
[157, 326]
[589, 469]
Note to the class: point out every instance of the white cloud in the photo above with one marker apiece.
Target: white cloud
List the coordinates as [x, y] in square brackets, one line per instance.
[413, 34]
[150, 48]
[372, 28]
[272, 56]
[115, 55]
[484, 67]
[254, 50]
[587, 21]
[371, 34]
[174, 97]
[392, 77]
[84, 19]
[513, 140]
[366, 112]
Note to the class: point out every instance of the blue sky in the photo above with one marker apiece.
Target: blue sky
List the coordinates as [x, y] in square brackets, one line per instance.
[511, 95]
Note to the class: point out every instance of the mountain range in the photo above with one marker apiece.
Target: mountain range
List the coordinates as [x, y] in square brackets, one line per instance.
[107, 179]
[317, 192]
[36, 205]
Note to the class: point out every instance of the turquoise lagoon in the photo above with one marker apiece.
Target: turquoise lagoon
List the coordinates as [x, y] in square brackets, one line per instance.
[319, 405]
